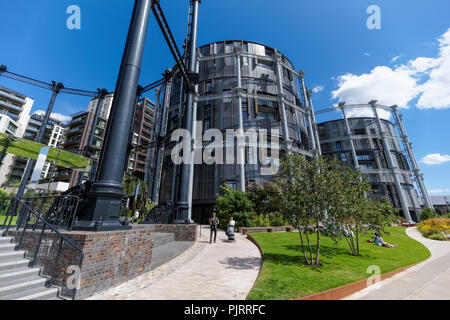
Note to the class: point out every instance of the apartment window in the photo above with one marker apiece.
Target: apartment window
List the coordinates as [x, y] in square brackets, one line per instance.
[97, 143]
[229, 50]
[99, 132]
[208, 87]
[227, 99]
[344, 157]
[338, 146]
[245, 60]
[101, 124]
[245, 108]
[207, 117]
[372, 131]
[12, 127]
[360, 132]
[232, 184]
[266, 64]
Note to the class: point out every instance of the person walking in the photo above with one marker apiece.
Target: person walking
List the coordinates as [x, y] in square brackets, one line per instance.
[214, 222]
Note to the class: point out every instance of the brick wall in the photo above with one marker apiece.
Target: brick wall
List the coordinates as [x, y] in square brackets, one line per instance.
[110, 258]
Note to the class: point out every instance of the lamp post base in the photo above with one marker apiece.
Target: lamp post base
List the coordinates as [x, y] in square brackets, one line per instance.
[100, 212]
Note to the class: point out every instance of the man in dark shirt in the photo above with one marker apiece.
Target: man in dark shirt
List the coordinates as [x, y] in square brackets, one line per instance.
[214, 222]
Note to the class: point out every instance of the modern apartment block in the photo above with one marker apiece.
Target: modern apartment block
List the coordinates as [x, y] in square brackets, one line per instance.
[242, 85]
[14, 114]
[380, 149]
[77, 138]
[141, 137]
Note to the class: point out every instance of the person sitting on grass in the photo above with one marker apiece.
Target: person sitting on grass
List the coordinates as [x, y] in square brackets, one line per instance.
[378, 240]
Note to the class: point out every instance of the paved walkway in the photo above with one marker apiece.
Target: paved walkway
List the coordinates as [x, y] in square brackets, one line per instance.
[428, 280]
[220, 271]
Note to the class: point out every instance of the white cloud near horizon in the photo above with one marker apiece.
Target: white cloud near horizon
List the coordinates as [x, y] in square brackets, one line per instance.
[425, 78]
[435, 159]
[55, 115]
[438, 191]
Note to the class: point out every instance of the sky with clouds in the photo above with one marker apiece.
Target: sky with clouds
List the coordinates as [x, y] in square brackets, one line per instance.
[406, 62]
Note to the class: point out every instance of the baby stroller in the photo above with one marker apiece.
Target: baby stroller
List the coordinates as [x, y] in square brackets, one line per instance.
[230, 233]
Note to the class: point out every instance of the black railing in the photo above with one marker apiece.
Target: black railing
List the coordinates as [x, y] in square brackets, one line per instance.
[26, 214]
[161, 214]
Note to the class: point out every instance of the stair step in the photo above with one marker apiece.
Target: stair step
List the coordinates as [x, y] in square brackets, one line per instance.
[17, 285]
[14, 264]
[7, 247]
[11, 255]
[42, 293]
[5, 240]
[18, 273]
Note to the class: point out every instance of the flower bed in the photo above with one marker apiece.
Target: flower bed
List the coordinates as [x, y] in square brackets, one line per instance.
[436, 228]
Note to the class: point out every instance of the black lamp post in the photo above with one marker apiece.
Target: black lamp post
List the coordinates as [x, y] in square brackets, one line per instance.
[103, 207]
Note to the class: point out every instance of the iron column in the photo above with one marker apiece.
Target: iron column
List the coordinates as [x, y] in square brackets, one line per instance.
[241, 137]
[105, 199]
[348, 133]
[287, 139]
[417, 173]
[392, 167]
[182, 210]
[56, 88]
[310, 112]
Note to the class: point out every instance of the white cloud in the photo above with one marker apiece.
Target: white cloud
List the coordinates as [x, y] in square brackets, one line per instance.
[57, 116]
[367, 54]
[435, 159]
[318, 89]
[426, 78]
[395, 59]
[438, 191]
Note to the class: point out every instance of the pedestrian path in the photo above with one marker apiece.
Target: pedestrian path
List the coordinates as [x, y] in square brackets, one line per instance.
[428, 280]
[218, 271]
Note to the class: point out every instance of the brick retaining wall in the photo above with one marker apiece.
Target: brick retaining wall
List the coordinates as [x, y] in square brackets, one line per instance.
[110, 258]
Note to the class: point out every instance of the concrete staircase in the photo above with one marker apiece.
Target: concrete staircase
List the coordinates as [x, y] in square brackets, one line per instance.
[165, 248]
[18, 281]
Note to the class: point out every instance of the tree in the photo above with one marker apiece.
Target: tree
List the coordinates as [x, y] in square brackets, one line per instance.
[304, 191]
[236, 204]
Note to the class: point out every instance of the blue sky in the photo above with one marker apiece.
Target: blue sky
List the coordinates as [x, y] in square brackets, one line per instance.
[403, 63]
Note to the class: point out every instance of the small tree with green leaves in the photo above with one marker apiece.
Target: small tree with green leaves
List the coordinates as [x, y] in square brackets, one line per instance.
[304, 191]
[236, 204]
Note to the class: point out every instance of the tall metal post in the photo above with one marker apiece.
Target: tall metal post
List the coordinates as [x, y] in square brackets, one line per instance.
[105, 201]
[312, 136]
[151, 152]
[313, 118]
[182, 210]
[278, 56]
[418, 174]
[348, 133]
[392, 167]
[162, 132]
[56, 88]
[241, 141]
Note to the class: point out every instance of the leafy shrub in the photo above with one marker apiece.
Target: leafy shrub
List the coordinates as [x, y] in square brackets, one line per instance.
[236, 204]
[259, 221]
[277, 221]
[428, 213]
[437, 236]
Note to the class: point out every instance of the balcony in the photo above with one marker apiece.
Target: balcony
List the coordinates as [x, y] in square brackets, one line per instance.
[12, 97]
[10, 106]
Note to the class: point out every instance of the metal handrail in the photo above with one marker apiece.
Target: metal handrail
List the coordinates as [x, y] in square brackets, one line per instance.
[15, 203]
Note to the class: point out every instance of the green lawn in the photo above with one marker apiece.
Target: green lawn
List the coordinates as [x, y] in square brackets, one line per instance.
[284, 275]
[29, 149]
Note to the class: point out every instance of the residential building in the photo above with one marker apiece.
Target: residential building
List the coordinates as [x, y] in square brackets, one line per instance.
[15, 110]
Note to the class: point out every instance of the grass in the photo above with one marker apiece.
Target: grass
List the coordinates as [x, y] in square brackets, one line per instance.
[3, 218]
[29, 149]
[284, 275]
